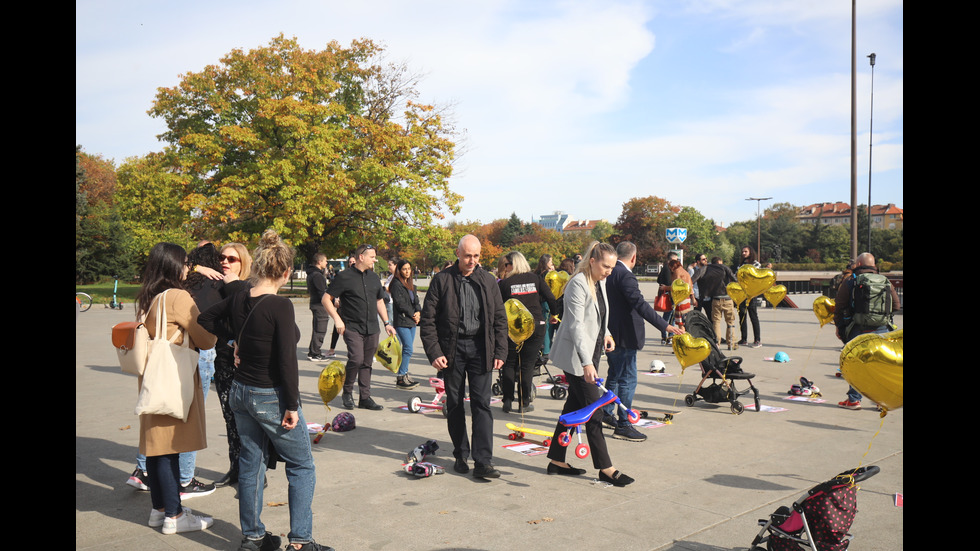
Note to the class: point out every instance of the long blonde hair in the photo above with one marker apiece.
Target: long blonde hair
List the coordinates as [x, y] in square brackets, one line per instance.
[244, 257]
[518, 264]
[595, 251]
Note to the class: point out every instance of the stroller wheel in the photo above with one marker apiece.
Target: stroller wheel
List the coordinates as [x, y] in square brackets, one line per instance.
[558, 393]
[737, 407]
[689, 400]
[496, 389]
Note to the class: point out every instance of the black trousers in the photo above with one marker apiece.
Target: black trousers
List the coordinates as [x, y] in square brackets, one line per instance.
[469, 363]
[581, 394]
[521, 362]
[321, 322]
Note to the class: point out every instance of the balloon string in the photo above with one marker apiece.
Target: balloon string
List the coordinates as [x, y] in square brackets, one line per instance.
[810, 353]
[881, 424]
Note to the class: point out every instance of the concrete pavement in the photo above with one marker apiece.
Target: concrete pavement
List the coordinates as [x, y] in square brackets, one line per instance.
[702, 482]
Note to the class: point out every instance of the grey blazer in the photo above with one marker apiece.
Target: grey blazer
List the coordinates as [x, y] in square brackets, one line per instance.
[576, 337]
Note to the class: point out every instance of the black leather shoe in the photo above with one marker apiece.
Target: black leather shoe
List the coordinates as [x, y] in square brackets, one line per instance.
[370, 404]
[485, 471]
[230, 478]
[618, 479]
[567, 471]
[461, 467]
[348, 401]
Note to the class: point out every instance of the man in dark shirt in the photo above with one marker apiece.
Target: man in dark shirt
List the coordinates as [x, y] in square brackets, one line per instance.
[362, 301]
[713, 285]
[316, 284]
[464, 334]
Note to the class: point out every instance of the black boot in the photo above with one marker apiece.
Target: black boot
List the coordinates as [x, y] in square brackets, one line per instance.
[230, 478]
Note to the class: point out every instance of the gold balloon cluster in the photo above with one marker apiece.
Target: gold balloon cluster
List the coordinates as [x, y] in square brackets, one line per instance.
[753, 282]
[872, 363]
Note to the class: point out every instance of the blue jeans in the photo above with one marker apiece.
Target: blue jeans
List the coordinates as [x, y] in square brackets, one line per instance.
[188, 460]
[407, 336]
[258, 414]
[622, 381]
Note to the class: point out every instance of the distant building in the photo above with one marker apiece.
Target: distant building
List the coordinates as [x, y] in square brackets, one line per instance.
[580, 226]
[887, 217]
[555, 221]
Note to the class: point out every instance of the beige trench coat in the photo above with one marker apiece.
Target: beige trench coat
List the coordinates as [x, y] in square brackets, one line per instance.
[162, 434]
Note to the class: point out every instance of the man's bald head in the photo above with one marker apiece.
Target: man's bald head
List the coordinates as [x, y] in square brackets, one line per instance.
[468, 253]
[866, 259]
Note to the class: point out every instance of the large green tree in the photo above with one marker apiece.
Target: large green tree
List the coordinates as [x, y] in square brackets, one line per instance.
[644, 221]
[326, 146]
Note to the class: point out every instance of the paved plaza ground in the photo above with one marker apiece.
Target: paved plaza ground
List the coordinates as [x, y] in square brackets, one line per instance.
[701, 482]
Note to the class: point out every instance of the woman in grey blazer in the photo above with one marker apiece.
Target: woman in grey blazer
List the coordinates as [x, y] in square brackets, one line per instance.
[578, 346]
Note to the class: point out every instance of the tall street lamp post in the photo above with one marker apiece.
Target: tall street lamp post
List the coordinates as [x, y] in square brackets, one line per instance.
[870, 132]
[758, 218]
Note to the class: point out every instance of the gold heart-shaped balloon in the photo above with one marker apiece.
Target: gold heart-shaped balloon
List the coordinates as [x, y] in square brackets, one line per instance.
[690, 350]
[735, 291]
[824, 308]
[556, 281]
[331, 381]
[775, 294]
[755, 281]
[680, 290]
[520, 322]
[872, 364]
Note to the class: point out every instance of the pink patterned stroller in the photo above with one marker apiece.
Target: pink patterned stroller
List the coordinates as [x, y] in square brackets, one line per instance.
[819, 520]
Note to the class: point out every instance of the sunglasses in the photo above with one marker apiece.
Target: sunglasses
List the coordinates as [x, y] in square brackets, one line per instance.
[230, 259]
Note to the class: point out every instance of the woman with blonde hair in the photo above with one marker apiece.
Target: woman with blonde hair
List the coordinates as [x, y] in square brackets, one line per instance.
[530, 289]
[265, 396]
[579, 343]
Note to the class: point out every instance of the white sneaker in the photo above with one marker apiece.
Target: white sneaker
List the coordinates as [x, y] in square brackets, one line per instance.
[186, 522]
[156, 517]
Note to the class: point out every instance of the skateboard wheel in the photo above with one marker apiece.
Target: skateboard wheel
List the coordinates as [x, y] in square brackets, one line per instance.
[547, 442]
[512, 436]
[581, 451]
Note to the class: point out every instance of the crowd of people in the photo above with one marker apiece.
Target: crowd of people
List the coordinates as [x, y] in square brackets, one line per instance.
[225, 302]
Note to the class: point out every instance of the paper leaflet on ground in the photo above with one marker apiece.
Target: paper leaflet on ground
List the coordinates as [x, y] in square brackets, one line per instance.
[766, 409]
[526, 448]
[805, 399]
[314, 428]
[648, 424]
[649, 374]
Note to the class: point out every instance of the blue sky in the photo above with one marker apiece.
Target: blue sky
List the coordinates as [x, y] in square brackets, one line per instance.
[575, 105]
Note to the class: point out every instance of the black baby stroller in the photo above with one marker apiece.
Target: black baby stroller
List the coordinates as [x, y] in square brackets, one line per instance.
[819, 520]
[717, 366]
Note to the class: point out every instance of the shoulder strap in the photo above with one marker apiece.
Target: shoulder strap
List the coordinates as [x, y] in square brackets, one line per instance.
[242, 330]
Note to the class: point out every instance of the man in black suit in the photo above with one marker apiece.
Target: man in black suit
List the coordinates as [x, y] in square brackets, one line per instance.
[627, 311]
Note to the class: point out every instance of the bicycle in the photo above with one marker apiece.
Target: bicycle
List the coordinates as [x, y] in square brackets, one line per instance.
[84, 301]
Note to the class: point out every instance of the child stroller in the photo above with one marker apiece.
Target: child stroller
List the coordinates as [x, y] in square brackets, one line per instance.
[819, 520]
[717, 366]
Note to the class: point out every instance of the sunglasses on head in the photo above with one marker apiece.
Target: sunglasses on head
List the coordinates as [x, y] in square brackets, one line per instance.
[229, 258]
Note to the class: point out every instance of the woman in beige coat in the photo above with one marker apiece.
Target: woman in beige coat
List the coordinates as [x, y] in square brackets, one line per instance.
[163, 437]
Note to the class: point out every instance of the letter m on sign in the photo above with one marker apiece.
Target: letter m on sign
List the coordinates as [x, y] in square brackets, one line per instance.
[676, 235]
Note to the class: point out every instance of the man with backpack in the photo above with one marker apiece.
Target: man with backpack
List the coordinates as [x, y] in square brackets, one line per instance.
[865, 302]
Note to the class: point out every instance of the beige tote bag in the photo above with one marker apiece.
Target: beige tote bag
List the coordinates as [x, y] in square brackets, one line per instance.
[168, 379]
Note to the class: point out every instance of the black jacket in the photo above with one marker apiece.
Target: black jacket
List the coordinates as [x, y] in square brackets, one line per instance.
[440, 316]
[403, 304]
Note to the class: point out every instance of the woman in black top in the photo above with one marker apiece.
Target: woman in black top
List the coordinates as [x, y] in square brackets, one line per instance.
[529, 288]
[265, 396]
[407, 311]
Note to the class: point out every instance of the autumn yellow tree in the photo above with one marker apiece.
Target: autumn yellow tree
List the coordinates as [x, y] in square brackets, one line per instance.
[329, 147]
